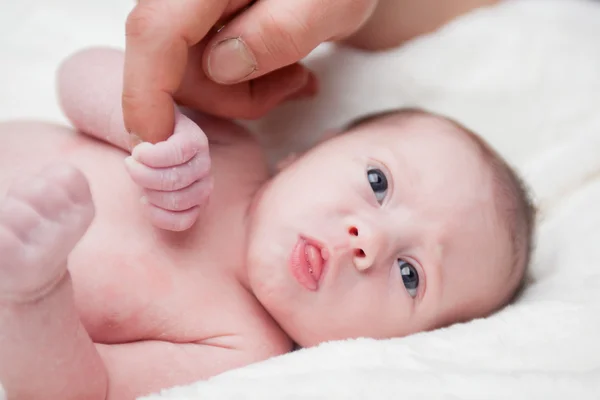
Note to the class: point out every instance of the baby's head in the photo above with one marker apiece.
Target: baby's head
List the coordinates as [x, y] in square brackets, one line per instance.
[405, 222]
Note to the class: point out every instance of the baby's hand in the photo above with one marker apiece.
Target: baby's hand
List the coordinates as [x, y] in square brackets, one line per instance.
[175, 176]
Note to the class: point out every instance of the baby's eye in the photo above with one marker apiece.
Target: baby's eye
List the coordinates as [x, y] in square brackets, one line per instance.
[410, 277]
[378, 183]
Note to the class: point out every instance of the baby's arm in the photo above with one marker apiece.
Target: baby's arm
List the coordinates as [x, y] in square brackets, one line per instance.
[396, 21]
[174, 174]
[89, 91]
[45, 351]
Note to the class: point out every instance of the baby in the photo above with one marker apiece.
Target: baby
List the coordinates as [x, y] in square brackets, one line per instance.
[404, 222]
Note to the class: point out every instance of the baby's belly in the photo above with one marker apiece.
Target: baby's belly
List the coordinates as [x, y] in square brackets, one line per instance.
[131, 281]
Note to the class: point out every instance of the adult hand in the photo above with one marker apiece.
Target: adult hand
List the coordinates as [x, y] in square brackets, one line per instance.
[242, 71]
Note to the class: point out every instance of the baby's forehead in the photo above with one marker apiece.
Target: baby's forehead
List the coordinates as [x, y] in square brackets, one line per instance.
[440, 172]
[421, 129]
[432, 153]
[420, 133]
[434, 162]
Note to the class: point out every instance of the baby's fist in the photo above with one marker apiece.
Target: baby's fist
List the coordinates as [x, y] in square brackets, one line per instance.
[174, 174]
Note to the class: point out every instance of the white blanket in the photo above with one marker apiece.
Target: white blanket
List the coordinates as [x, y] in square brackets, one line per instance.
[524, 74]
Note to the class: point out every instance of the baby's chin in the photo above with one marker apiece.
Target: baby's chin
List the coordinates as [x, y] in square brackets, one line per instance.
[272, 286]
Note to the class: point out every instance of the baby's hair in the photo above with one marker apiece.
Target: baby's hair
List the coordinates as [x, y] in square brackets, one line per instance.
[514, 204]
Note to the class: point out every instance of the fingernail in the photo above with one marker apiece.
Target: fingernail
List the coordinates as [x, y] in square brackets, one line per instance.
[230, 61]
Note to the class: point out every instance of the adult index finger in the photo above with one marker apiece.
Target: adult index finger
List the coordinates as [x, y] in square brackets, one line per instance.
[158, 35]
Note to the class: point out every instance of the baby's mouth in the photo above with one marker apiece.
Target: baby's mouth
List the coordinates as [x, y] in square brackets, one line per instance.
[315, 260]
[307, 262]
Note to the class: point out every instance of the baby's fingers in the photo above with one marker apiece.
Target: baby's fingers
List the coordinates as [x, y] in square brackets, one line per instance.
[180, 200]
[170, 220]
[171, 178]
[187, 141]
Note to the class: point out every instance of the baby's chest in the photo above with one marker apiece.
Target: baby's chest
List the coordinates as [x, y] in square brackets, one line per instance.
[144, 292]
[133, 282]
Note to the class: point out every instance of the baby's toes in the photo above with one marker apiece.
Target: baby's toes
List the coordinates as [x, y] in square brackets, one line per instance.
[195, 194]
[169, 178]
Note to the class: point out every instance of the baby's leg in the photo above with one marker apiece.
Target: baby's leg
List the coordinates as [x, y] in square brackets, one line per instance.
[45, 353]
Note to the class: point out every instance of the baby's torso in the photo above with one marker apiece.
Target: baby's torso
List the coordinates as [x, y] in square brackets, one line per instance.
[134, 282]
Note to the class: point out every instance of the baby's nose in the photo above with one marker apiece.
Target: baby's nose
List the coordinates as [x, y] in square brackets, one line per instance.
[366, 244]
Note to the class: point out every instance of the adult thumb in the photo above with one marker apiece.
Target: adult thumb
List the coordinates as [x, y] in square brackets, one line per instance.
[273, 33]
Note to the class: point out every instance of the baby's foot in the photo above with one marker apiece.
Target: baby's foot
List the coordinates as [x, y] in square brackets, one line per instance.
[41, 220]
[175, 176]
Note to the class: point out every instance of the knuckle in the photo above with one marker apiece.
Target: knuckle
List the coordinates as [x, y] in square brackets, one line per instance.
[278, 40]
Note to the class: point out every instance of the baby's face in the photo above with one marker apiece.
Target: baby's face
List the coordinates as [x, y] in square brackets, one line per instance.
[381, 232]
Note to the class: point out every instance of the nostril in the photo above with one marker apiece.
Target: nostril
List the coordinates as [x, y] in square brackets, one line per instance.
[359, 253]
[353, 231]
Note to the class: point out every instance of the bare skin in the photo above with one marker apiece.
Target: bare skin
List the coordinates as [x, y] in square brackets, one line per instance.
[171, 53]
[137, 302]
[125, 309]
[161, 67]
[122, 308]
[174, 280]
